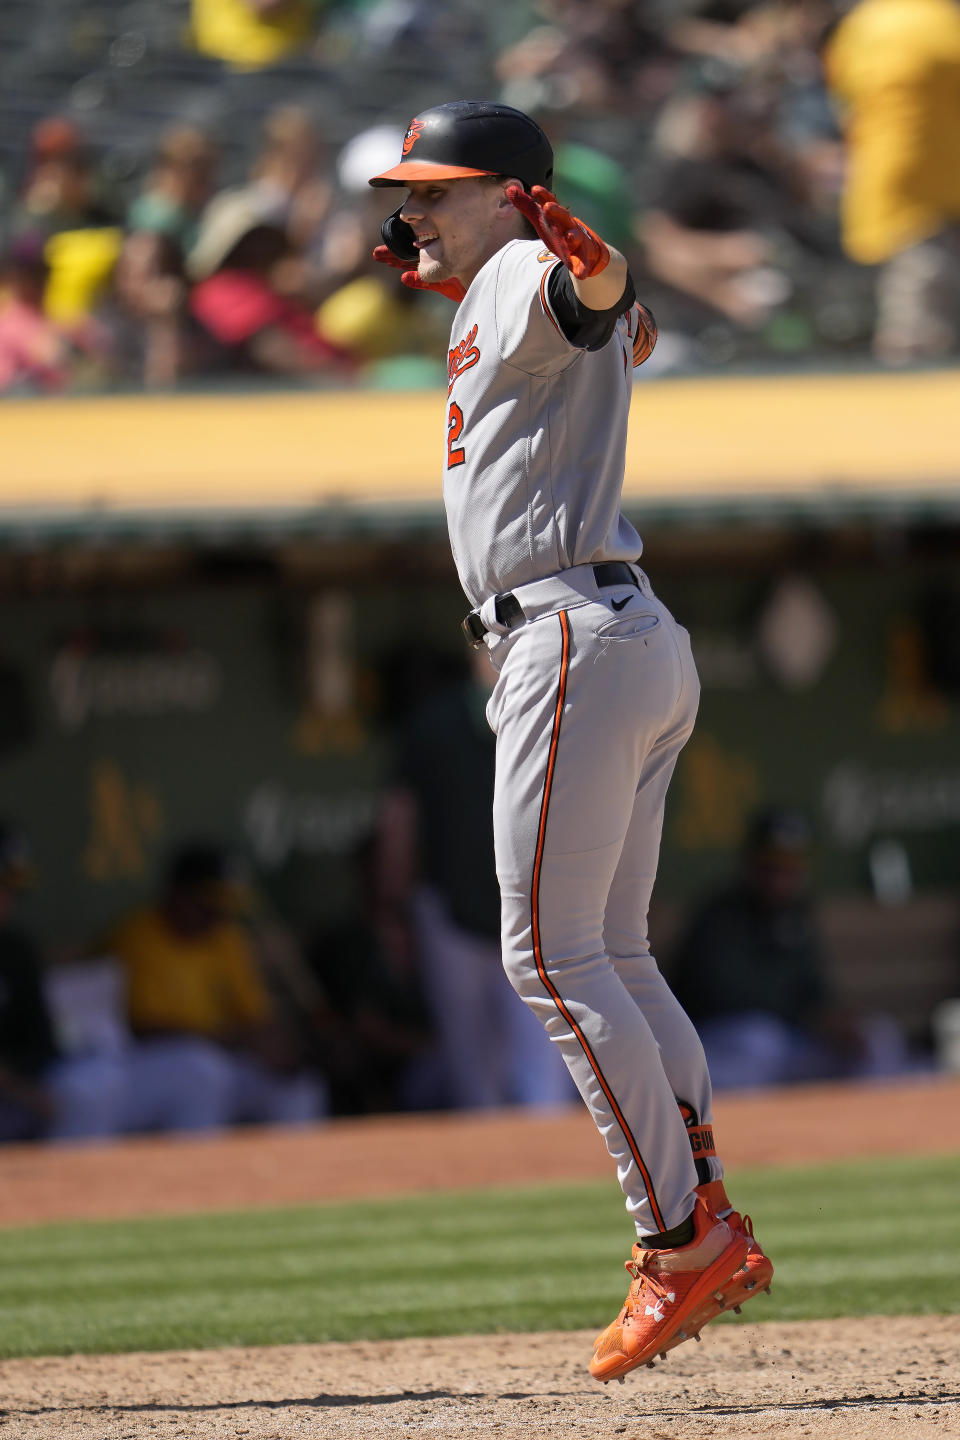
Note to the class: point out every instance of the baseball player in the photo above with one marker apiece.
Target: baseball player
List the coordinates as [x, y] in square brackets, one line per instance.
[596, 691]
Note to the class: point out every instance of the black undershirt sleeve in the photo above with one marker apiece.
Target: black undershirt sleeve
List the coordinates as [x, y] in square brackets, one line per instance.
[587, 329]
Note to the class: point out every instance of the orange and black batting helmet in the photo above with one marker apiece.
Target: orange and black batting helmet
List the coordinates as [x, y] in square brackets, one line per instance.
[472, 137]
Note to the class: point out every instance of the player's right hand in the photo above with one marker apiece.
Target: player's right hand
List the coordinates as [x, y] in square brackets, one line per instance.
[411, 278]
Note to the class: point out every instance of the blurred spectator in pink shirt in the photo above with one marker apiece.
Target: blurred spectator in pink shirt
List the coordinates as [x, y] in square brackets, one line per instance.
[37, 353]
[236, 299]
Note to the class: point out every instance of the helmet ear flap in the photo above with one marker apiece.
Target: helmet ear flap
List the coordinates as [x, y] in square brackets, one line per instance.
[399, 238]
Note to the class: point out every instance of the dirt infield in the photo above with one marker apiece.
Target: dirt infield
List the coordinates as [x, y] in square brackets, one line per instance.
[403, 1154]
[839, 1379]
[882, 1378]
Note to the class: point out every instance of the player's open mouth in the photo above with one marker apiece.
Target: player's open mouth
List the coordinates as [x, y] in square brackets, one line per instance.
[424, 240]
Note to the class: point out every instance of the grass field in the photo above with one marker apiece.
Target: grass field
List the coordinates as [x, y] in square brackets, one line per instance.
[877, 1237]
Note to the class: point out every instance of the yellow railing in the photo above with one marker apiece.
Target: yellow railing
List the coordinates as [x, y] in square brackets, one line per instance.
[774, 438]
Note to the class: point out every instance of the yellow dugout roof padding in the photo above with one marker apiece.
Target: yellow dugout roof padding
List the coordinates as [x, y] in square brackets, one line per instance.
[818, 444]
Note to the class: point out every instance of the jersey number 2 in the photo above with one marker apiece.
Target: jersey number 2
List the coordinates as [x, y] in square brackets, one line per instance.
[455, 453]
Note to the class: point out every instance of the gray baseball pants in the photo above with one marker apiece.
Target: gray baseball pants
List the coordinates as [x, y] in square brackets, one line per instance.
[596, 695]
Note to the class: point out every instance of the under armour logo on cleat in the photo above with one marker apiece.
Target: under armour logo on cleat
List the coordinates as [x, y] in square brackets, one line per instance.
[619, 604]
[657, 1310]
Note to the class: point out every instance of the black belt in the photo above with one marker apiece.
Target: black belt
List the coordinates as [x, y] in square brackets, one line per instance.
[509, 611]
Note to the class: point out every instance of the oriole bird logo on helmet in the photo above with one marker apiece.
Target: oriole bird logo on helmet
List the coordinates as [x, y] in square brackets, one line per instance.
[412, 136]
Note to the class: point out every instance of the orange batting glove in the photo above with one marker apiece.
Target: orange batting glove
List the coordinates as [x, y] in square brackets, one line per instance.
[411, 278]
[582, 252]
[643, 329]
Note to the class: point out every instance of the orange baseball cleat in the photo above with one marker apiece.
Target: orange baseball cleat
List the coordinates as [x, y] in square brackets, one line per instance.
[757, 1271]
[673, 1295]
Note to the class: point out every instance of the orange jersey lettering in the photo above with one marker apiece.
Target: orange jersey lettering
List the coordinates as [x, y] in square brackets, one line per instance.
[462, 356]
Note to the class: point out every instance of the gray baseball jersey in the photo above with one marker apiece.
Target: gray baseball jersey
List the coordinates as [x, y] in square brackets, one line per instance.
[596, 695]
[536, 431]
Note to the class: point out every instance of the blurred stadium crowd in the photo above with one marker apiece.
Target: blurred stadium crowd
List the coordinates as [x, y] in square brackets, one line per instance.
[183, 182]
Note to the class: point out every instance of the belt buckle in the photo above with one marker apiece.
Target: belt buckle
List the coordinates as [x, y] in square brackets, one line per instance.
[474, 629]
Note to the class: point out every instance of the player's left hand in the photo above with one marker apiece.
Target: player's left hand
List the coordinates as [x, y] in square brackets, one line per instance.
[643, 328]
[411, 278]
[582, 252]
